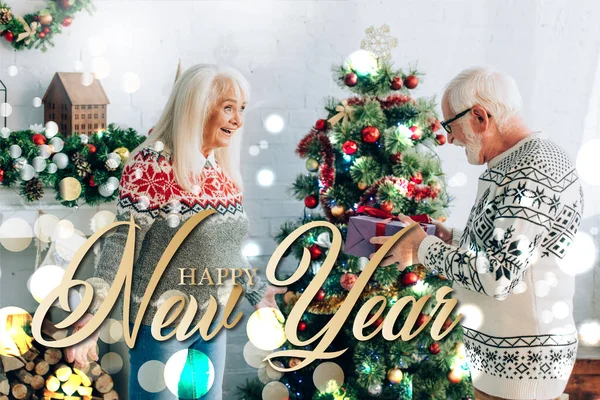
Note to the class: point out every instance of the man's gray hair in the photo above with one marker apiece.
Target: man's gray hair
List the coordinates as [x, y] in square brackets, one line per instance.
[495, 91]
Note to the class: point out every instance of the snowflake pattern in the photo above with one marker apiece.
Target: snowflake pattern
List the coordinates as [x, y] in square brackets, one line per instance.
[379, 41]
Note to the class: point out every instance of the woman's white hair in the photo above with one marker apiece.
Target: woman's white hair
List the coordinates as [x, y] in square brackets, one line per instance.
[180, 128]
[495, 91]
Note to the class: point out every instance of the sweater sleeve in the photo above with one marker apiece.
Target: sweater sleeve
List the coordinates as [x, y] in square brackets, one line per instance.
[141, 194]
[256, 291]
[510, 230]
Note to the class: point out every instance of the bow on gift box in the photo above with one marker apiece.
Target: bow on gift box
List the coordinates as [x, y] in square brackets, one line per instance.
[345, 112]
[387, 217]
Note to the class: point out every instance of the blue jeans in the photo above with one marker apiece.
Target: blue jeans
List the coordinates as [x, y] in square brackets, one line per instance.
[147, 348]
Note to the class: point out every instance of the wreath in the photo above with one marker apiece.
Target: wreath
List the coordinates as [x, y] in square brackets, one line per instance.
[36, 30]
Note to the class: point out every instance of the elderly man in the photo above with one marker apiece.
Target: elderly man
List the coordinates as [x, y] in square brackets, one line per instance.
[506, 262]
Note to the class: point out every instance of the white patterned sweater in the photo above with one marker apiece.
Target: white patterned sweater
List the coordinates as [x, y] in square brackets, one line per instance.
[508, 265]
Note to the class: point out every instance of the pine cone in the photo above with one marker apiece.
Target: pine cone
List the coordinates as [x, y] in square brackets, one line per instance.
[78, 159]
[5, 16]
[34, 189]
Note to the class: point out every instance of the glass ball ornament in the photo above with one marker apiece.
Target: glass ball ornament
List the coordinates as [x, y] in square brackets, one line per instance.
[27, 172]
[312, 165]
[57, 143]
[39, 163]
[51, 129]
[113, 183]
[61, 160]
[51, 168]
[105, 190]
[15, 151]
[4, 132]
[84, 138]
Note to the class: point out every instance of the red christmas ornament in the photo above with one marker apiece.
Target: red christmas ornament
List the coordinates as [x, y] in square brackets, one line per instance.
[417, 132]
[410, 278]
[370, 134]
[351, 79]
[434, 348]
[411, 81]
[350, 147]
[311, 201]
[9, 36]
[36, 17]
[46, 30]
[39, 139]
[447, 324]
[396, 83]
[92, 148]
[67, 21]
[301, 326]
[348, 280]
[315, 252]
[64, 4]
[320, 296]
[320, 125]
[41, 35]
[1, 174]
[422, 319]
[92, 182]
[441, 139]
[436, 125]
[417, 178]
[387, 206]
[396, 158]
[377, 322]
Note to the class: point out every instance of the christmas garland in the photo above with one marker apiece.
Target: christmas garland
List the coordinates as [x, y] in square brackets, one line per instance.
[36, 30]
[78, 167]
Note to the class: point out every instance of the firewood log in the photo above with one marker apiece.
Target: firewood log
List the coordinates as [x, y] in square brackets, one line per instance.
[24, 376]
[52, 356]
[63, 372]
[20, 391]
[104, 383]
[38, 382]
[112, 395]
[52, 383]
[42, 367]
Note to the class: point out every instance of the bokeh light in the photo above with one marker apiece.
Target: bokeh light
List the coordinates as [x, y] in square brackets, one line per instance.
[266, 329]
[265, 177]
[15, 234]
[588, 162]
[472, 315]
[189, 374]
[44, 280]
[15, 331]
[274, 123]
[581, 255]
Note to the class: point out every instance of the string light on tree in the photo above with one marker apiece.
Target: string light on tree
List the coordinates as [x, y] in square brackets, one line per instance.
[362, 62]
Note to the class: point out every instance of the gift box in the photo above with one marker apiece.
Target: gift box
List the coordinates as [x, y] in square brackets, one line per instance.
[362, 228]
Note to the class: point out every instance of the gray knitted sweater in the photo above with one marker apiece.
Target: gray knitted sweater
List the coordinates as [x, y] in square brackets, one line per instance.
[149, 191]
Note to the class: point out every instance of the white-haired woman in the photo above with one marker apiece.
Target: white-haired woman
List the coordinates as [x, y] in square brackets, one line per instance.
[189, 163]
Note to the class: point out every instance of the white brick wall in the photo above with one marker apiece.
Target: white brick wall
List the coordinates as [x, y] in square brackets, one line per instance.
[286, 49]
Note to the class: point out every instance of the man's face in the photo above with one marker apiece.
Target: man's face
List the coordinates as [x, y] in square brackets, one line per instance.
[463, 135]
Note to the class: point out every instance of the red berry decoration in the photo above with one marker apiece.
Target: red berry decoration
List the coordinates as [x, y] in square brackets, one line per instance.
[410, 278]
[315, 252]
[46, 30]
[1, 174]
[434, 348]
[64, 4]
[350, 147]
[387, 206]
[92, 148]
[36, 17]
[417, 132]
[39, 139]
[351, 79]
[370, 134]
[320, 125]
[311, 201]
[422, 319]
[396, 158]
[411, 81]
[441, 139]
[417, 178]
[41, 35]
[92, 182]
[396, 83]
[9, 36]
[348, 280]
[301, 326]
[67, 21]
[320, 296]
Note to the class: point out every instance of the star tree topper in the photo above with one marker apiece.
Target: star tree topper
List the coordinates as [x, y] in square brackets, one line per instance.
[379, 41]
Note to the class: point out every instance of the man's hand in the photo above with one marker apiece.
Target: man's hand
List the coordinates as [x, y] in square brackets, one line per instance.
[404, 252]
[269, 299]
[79, 352]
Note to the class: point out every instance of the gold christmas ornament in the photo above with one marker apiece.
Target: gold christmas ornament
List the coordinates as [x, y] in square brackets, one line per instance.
[395, 375]
[312, 165]
[46, 19]
[69, 189]
[123, 152]
[288, 297]
[379, 41]
[338, 211]
[362, 186]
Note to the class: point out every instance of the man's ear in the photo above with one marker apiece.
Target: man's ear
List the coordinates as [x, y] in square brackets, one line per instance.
[481, 117]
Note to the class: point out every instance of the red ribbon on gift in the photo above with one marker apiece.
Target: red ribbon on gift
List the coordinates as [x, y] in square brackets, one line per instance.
[387, 218]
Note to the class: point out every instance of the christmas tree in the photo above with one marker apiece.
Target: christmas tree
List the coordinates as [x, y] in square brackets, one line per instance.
[375, 149]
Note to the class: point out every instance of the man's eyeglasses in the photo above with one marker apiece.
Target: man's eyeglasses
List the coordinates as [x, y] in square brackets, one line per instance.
[446, 124]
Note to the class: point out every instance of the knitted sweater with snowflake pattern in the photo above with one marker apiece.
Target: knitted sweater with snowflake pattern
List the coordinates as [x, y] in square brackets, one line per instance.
[510, 275]
[160, 206]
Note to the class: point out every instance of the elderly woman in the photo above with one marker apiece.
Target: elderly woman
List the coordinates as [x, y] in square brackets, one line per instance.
[190, 163]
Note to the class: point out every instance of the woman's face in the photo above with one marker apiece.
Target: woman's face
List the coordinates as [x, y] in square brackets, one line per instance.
[225, 119]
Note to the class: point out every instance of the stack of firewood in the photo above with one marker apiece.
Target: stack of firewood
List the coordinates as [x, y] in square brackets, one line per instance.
[44, 373]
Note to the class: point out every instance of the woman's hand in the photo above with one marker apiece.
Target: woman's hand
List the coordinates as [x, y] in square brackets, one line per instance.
[442, 231]
[269, 299]
[79, 352]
